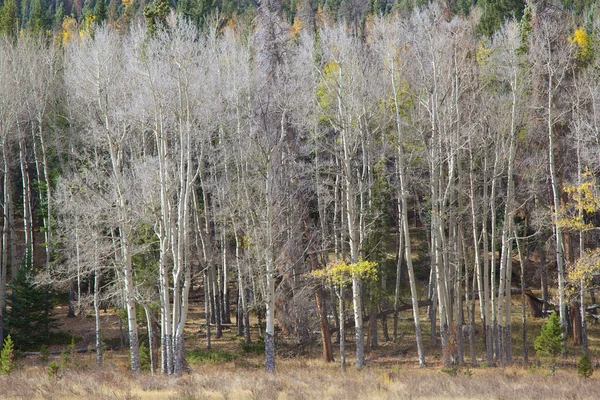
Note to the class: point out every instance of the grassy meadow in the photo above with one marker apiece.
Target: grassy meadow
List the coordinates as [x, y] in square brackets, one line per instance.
[232, 371]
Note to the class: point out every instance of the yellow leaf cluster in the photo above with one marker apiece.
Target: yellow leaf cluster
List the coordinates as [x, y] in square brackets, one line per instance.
[574, 223]
[584, 197]
[330, 69]
[584, 49]
[580, 38]
[585, 268]
[87, 26]
[297, 26]
[330, 76]
[68, 31]
[482, 54]
[341, 273]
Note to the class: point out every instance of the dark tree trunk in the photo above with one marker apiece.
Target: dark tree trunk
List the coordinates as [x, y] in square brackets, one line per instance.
[373, 327]
[207, 307]
[325, 335]
[575, 312]
[543, 279]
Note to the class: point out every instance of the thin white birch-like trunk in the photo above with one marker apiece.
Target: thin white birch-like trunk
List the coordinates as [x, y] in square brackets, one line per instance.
[403, 221]
[558, 234]
[97, 282]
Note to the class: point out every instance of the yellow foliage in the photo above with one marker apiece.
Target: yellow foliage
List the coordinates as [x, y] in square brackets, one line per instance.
[127, 3]
[87, 26]
[586, 267]
[245, 242]
[584, 197]
[331, 68]
[330, 76]
[580, 38]
[297, 26]
[482, 54]
[584, 49]
[341, 273]
[68, 31]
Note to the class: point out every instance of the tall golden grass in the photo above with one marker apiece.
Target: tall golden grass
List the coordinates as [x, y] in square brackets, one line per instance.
[298, 379]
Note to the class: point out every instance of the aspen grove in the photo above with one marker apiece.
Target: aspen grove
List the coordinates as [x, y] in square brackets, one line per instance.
[320, 174]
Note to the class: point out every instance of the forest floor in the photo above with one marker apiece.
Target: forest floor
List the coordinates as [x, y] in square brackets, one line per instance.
[230, 371]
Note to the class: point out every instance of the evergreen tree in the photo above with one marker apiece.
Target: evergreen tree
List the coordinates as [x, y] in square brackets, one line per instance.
[37, 18]
[100, 11]
[156, 15]
[28, 317]
[25, 11]
[584, 367]
[7, 355]
[59, 15]
[549, 341]
[9, 23]
[197, 10]
[88, 7]
[495, 12]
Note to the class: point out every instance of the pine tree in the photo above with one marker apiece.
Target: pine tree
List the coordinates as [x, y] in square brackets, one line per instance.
[59, 15]
[156, 15]
[28, 317]
[549, 341]
[7, 355]
[9, 23]
[584, 368]
[100, 11]
[37, 18]
[495, 12]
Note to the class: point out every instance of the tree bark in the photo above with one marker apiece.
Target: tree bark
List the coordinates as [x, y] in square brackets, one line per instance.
[325, 335]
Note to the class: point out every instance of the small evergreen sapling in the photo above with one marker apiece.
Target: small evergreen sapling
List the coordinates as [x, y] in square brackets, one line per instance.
[584, 367]
[549, 342]
[7, 363]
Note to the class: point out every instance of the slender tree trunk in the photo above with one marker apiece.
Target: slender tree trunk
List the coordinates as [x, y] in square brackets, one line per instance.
[14, 264]
[325, 335]
[497, 337]
[584, 339]
[404, 235]
[226, 318]
[543, 272]
[207, 308]
[99, 350]
[374, 343]
[582, 311]
[134, 345]
[5, 239]
[48, 226]
[148, 312]
[523, 309]
[27, 217]
[342, 329]
[399, 259]
[558, 233]
[432, 296]
[242, 288]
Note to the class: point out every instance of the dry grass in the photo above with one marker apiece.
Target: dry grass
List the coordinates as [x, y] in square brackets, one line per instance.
[391, 371]
[298, 379]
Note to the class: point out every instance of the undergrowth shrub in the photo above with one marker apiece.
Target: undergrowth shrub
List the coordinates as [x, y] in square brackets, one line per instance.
[200, 356]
